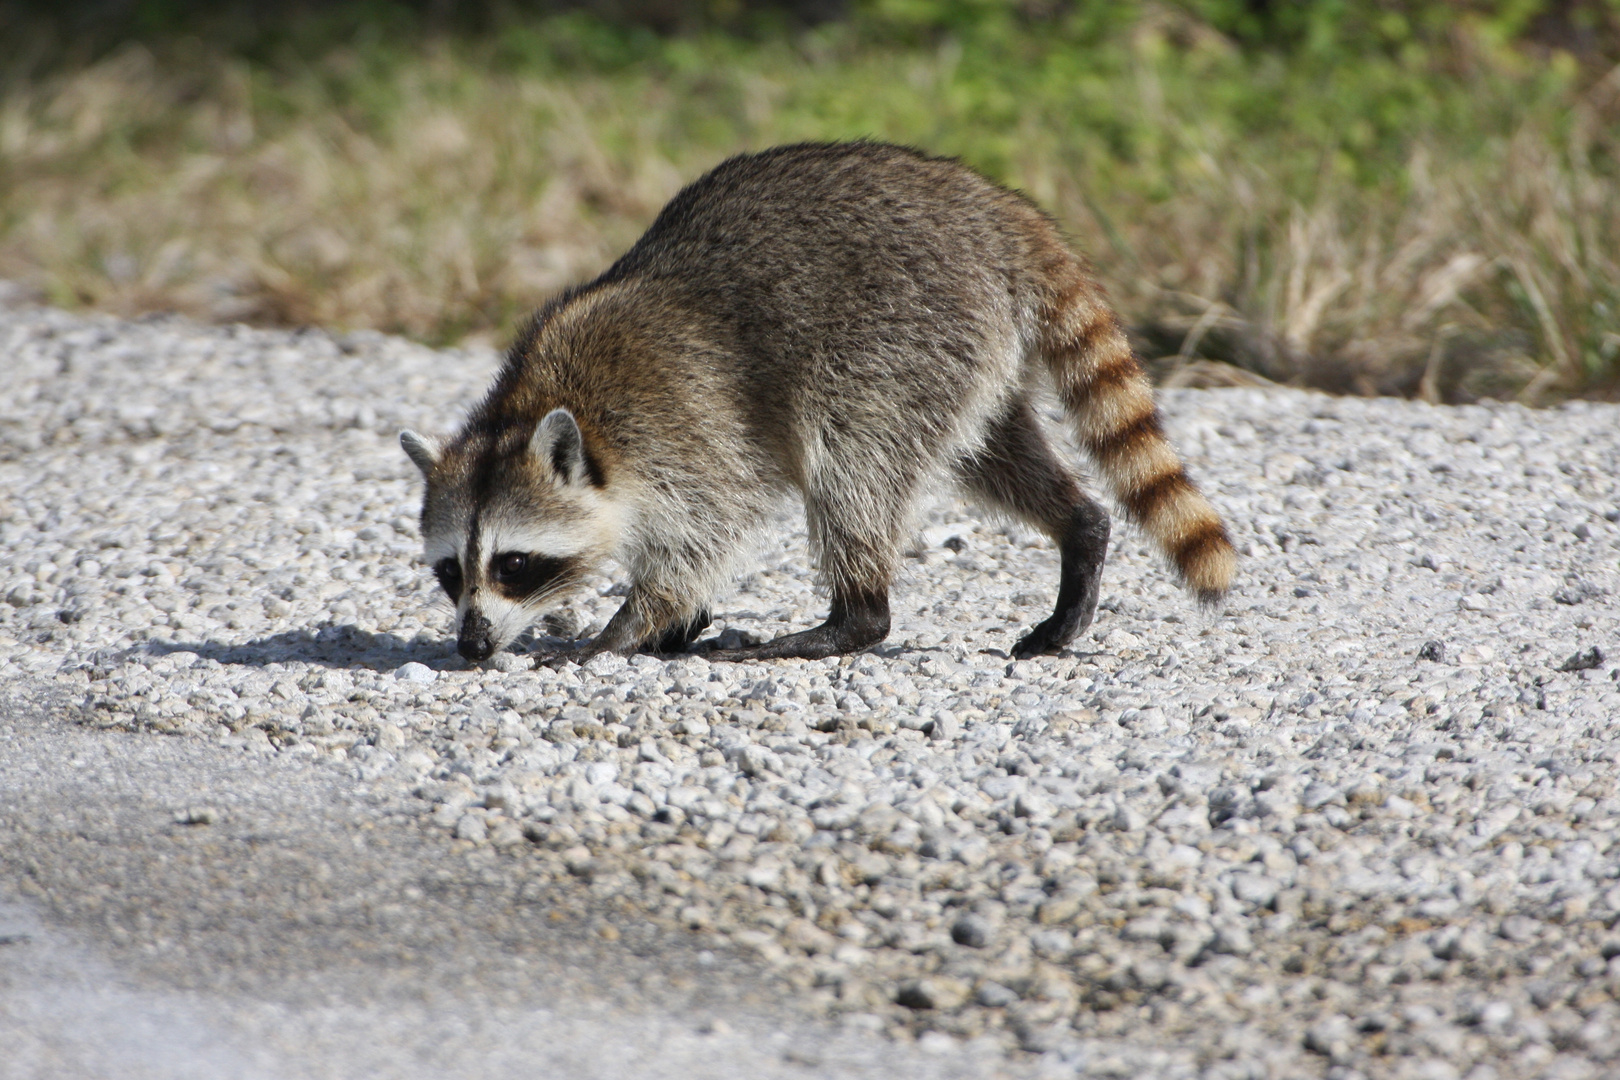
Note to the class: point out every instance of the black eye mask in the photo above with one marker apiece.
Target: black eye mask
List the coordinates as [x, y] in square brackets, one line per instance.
[448, 571]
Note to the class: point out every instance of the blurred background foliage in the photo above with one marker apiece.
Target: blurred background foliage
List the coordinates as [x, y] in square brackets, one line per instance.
[1417, 198]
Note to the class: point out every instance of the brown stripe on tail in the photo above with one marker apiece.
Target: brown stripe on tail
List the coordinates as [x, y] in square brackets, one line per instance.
[1110, 401]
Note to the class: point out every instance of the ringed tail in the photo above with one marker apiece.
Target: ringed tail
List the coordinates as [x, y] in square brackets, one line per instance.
[1110, 402]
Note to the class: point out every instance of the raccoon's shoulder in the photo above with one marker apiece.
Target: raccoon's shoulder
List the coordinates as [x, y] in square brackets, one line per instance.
[630, 343]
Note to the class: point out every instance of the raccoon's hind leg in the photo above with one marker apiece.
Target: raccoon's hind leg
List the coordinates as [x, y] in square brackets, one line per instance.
[1017, 473]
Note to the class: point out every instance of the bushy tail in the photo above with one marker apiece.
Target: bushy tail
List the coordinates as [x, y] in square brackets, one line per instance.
[1109, 399]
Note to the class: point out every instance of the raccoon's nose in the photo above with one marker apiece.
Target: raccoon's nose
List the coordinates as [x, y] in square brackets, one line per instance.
[477, 638]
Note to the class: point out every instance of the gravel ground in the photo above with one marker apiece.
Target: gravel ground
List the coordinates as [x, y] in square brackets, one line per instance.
[306, 931]
[1361, 822]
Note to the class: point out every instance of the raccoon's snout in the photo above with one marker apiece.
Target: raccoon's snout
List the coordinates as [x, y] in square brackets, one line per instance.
[477, 638]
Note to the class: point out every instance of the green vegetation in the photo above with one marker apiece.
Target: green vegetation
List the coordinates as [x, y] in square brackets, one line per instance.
[1416, 199]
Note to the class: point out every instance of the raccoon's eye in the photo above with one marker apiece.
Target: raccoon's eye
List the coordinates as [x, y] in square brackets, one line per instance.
[448, 571]
[521, 577]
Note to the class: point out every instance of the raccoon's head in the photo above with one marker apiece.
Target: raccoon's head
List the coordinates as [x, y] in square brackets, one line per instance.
[512, 520]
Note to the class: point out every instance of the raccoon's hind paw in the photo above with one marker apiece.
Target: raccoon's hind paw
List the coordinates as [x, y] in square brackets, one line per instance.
[1062, 627]
[1046, 639]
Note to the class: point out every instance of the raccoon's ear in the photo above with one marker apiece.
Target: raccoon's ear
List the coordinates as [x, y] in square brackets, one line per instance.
[558, 442]
[422, 451]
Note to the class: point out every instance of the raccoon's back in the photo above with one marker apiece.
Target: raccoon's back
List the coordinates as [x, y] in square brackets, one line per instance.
[819, 202]
[818, 247]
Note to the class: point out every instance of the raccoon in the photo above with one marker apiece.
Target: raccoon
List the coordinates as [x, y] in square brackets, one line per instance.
[858, 323]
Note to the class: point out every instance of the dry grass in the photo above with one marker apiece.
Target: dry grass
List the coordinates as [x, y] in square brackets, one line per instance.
[438, 199]
[453, 216]
[1496, 277]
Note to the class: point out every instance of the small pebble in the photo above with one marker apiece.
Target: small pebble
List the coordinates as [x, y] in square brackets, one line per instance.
[415, 672]
[603, 665]
[935, 992]
[971, 930]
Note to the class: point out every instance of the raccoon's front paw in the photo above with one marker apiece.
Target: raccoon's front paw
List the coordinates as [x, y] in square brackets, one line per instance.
[679, 636]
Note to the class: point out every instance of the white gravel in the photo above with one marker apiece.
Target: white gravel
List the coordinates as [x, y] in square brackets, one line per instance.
[1362, 822]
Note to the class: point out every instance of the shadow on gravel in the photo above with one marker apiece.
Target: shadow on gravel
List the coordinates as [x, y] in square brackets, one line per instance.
[352, 647]
[329, 646]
